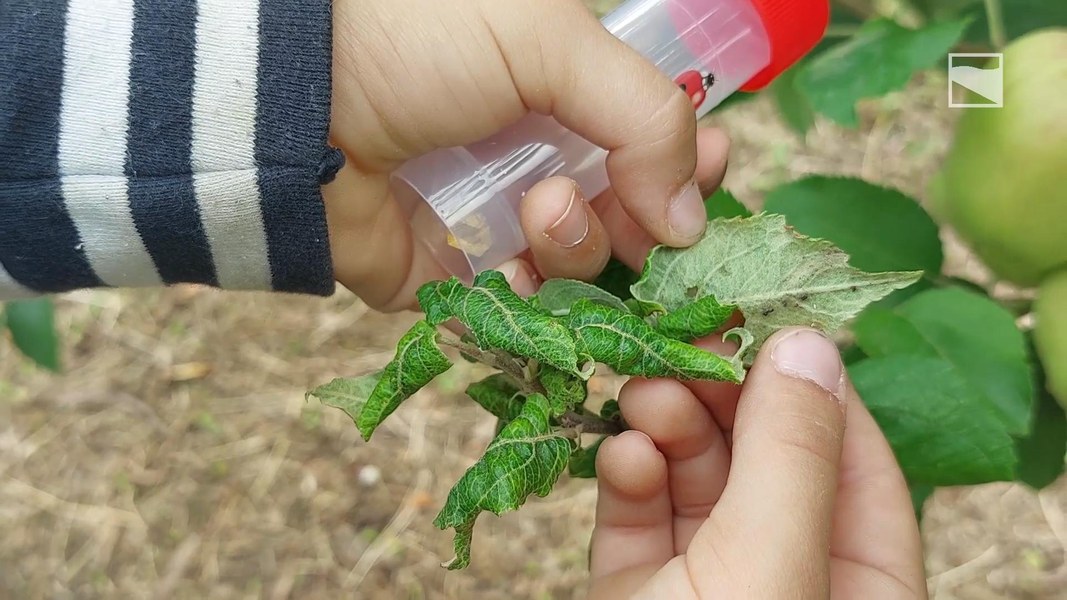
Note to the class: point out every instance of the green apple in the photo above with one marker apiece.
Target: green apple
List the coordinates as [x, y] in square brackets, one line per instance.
[1050, 332]
[1004, 184]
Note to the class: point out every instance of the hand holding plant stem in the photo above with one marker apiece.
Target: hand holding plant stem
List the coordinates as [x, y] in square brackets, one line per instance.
[698, 502]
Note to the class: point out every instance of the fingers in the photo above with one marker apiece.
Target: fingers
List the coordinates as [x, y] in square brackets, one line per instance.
[698, 459]
[873, 503]
[630, 242]
[633, 515]
[374, 251]
[779, 498]
[566, 64]
[565, 236]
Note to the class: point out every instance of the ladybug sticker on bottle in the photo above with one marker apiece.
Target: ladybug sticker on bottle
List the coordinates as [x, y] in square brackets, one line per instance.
[696, 86]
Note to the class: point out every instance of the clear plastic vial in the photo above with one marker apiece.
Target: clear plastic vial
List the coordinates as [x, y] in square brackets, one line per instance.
[464, 201]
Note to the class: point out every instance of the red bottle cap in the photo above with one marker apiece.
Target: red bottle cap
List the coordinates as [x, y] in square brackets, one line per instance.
[793, 27]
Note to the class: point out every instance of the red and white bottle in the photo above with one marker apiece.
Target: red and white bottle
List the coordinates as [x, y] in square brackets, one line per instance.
[464, 201]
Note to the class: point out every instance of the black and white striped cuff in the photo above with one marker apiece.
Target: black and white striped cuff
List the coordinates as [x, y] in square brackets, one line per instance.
[163, 141]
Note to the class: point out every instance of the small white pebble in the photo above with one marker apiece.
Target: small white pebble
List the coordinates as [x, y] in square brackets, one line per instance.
[369, 476]
[308, 485]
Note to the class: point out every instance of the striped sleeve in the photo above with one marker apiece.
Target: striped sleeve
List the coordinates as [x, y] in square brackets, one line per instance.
[153, 142]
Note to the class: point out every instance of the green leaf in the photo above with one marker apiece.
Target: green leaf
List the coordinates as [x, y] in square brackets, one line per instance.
[630, 346]
[564, 391]
[349, 394]
[1020, 16]
[610, 410]
[722, 204]
[1043, 452]
[929, 416]
[557, 295]
[880, 229]
[696, 320]
[616, 279]
[919, 493]
[793, 105]
[418, 360]
[775, 276]
[971, 333]
[880, 58]
[33, 329]
[583, 461]
[499, 395]
[527, 457]
[500, 319]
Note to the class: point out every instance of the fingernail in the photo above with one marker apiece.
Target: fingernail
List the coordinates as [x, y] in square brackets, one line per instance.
[572, 227]
[809, 355]
[685, 214]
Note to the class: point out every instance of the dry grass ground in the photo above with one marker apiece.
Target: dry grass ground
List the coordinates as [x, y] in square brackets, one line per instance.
[176, 456]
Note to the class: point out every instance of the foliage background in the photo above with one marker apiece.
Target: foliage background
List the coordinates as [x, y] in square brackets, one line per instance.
[176, 456]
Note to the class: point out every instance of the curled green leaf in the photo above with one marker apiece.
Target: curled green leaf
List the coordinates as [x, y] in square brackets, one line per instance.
[500, 319]
[630, 346]
[499, 395]
[349, 394]
[775, 276]
[526, 457]
[583, 460]
[564, 391]
[418, 360]
[696, 320]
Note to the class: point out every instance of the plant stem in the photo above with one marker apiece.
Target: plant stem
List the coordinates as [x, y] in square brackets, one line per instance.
[509, 367]
[995, 15]
[591, 424]
[583, 423]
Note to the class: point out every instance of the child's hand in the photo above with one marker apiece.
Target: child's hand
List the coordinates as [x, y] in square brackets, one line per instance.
[783, 501]
[411, 76]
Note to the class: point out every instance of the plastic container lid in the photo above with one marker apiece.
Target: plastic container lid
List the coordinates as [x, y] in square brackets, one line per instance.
[793, 28]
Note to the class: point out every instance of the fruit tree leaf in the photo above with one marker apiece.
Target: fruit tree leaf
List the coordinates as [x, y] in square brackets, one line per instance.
[500, 319]
[939, 434]
[557, 295]
[880, 58]
[630, 346]
[880, 229]
[525, 458]
[1042, 452]
[418, 360]
[499, 395]
[724, 204]
[611, 410]
[349, 394]
[1020, 16]
[582, 464]
[972, 333]
[33, 329]
[776, 277]
[564, 391]
[919, 494]
[793, 105]
[696, 320]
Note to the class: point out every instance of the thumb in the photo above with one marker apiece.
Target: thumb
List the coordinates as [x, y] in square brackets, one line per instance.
[564, 63]
[779, 498]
